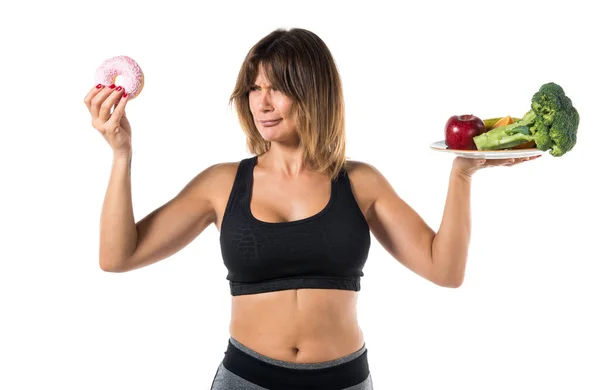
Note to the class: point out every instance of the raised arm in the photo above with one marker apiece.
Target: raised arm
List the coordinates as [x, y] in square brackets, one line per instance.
[125, 245]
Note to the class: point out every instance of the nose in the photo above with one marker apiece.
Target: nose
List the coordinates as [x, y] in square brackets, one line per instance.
[264, 102]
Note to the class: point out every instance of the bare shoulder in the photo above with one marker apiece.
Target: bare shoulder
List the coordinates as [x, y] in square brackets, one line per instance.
[367, 183]
[213, 180]
[224, 174]
[360, 168]
[217, 186]
[217, 173]
[364, 175]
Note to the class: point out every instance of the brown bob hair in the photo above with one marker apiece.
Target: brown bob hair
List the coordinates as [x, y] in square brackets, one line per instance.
[299, 64]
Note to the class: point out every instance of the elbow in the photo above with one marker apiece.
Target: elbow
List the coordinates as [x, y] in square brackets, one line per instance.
[452, 283]
[108, 266]
[104, 266]
[448, 273]
[449, 279]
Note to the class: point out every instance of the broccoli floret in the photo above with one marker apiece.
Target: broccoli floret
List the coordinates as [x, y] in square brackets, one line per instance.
[558, 119]
[548, 100]
[551, 123]
[563, 132]
[541, 135]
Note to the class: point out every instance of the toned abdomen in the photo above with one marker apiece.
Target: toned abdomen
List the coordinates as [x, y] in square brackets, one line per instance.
[303, 326]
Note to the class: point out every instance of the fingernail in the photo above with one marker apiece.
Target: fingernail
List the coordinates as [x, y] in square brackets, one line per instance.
[125, 95]
[112, 86]
[99, 86]
[119, 88]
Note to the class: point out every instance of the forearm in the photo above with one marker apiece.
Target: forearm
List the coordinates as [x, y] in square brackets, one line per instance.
[118, 233]
[451, 243]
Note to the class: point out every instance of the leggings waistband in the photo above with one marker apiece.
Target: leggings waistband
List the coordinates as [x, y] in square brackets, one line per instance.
[298, 366]
[274, 374]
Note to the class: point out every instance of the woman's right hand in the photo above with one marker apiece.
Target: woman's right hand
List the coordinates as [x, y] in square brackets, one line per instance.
[114, 126]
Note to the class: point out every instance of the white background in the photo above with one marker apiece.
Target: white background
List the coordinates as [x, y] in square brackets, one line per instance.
[526, 315]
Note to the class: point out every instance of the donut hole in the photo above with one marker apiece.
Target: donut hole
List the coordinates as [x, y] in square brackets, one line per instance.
[119, 81]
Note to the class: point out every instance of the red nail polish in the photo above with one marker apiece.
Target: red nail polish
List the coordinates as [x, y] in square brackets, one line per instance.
[125, 94]
[112, 86]
[119, 88]
[99, 86]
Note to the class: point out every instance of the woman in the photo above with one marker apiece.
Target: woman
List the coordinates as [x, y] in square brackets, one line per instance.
[295, 221]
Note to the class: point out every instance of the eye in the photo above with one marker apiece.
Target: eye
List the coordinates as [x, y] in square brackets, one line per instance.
[254, 88]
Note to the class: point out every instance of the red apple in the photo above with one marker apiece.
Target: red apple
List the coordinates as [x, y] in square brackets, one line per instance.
[460, 130]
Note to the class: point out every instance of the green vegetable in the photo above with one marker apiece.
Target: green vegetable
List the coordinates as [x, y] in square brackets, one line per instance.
[551, 123]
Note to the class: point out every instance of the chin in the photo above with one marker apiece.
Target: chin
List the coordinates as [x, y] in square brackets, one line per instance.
[270, 134]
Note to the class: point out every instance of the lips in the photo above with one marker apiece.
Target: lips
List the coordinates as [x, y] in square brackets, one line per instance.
[270, 122]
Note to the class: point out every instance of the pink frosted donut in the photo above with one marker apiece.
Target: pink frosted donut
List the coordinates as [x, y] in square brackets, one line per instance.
[130, 72]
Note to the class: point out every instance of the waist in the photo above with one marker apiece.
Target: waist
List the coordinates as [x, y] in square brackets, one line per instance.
[307, 325]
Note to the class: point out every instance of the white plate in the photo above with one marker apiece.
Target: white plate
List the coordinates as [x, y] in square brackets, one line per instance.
[440, 146]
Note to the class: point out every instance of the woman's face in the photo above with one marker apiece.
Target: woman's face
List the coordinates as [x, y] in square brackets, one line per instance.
[272, 110]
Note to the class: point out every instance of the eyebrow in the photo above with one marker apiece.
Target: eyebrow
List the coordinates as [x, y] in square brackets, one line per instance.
[258, 86]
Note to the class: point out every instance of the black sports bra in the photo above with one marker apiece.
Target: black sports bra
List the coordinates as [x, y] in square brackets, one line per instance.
[327, 250]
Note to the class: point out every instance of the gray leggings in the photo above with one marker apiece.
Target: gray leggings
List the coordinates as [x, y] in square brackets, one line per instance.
[226, 380]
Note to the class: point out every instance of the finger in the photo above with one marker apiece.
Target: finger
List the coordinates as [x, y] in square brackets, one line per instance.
[497, 162]
[117, 103]
[93, 92]
[522, 160]
[110, 101]
[99, 99]
[119, 111]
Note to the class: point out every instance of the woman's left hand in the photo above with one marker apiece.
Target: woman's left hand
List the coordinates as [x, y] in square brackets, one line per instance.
[468, 166]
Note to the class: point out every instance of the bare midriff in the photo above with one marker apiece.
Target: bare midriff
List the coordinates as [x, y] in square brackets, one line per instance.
[301, 326]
